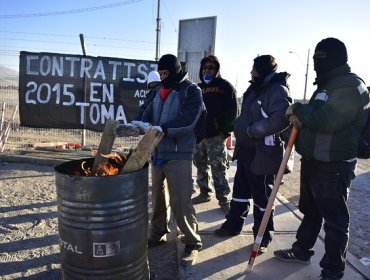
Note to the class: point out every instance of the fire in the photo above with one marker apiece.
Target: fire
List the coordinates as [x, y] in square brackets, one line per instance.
[112, 167]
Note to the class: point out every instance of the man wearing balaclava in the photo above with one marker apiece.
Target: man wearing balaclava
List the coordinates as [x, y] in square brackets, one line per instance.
[258, 149]
[175, 108]
[329, 126]
[219, 97]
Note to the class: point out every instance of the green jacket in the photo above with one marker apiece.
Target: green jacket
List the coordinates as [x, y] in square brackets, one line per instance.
[334, 117]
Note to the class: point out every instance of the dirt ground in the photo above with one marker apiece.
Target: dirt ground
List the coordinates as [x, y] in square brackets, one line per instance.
[29, 243]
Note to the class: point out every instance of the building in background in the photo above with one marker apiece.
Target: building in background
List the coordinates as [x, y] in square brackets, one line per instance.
[196, 40]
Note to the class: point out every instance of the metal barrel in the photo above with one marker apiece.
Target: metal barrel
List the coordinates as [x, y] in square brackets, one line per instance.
[103, 223]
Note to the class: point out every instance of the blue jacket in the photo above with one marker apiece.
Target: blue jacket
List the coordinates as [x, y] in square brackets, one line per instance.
[177, 116]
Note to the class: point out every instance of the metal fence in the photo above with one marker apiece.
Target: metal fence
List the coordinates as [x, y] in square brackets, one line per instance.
[18, 137]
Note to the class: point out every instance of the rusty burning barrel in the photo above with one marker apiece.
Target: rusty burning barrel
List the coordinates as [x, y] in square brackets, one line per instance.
[103, 223]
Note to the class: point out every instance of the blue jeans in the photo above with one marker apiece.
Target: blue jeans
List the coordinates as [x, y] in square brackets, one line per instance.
[323, 197]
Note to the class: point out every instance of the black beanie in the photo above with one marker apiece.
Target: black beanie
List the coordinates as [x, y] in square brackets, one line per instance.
[264, 65]
[336, 55]
[169, 62]
[334, 48]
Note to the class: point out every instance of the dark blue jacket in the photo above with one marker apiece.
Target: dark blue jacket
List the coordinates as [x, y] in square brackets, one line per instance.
[261, 120]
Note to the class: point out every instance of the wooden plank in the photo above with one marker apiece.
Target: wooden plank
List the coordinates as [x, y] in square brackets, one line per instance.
[105, 145]
[140, 156]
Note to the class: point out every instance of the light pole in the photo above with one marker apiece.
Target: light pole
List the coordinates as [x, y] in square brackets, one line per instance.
[306, 75]
[158, 32]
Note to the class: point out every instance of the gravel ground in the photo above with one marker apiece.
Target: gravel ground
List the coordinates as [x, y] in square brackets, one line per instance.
[29, 243]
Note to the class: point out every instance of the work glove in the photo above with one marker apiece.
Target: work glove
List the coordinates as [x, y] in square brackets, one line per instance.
[295, 121]
[289, 111]
[125, 130]
[157, 127]
[142, 125]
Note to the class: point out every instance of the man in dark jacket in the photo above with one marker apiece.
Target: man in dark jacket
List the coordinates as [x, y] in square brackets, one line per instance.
[219, 97]
[175, 108]
[259, 150]
[329, 128]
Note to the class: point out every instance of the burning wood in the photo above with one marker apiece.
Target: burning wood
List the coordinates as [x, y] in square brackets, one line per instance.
[113, 166]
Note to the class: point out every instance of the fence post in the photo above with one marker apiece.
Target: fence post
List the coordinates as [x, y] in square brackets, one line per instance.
[2, 116]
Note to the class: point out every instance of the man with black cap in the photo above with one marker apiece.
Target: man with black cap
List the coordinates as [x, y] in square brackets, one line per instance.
[175, 108]
[219, 97]
[327, 141]
[259, 149]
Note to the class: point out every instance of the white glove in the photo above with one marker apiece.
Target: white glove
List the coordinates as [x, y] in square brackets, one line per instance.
[157, 127]
[125, 130]
[142, 125]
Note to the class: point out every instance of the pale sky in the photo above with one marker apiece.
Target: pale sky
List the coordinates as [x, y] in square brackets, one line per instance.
[286, 29]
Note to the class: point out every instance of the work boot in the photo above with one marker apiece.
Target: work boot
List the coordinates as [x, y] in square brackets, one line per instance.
[156, 242]
[225, 206]
[224, 232]
[201, 198]
[190, 254]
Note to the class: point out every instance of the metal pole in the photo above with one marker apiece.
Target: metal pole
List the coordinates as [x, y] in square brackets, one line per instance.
[305, 82]
[83, 136]
[158, 33]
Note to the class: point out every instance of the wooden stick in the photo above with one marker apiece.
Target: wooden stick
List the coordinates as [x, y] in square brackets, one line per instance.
[106, 144]
[5, 135]
[270, 203]
[2, 116]
[140, 156]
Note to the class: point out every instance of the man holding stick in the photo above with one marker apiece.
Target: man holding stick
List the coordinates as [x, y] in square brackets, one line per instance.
[327, 141]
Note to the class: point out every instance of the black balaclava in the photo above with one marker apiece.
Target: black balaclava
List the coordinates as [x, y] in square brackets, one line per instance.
[264, 65]
[172, 64]
[335, 54]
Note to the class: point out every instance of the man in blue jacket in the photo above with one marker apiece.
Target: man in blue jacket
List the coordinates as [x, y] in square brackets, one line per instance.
[176, 109]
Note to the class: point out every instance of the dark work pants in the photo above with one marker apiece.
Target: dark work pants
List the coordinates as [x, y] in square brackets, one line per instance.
[323, 196]
[247, 186]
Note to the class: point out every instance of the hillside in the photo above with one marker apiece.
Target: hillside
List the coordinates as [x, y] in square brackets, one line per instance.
[8, 77]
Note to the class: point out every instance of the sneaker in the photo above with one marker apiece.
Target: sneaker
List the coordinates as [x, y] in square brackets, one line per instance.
[289, 255]
[331, 276]
[156, 242]
[223, 232]
[263, 248]
[201, 198]
[190, 254]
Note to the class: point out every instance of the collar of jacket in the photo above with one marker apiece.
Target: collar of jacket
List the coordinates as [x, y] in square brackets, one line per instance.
[338, 71]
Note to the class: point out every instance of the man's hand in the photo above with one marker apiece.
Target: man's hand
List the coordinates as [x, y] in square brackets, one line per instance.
[157, 127]
[295, 121]
[289, 111]
[142, 125]
[125, 130]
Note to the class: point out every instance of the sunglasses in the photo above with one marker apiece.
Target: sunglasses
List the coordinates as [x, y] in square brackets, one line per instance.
[209, 67]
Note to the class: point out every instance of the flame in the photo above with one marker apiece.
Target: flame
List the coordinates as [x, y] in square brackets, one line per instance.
[112, 167]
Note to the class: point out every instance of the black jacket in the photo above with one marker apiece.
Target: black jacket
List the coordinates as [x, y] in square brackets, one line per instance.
[262, 118]
[219, 97]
